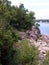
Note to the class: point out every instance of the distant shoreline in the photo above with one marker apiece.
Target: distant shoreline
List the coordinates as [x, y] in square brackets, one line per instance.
[41, 20]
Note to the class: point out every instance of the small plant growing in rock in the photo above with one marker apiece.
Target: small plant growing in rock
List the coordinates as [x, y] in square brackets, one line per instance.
[46, 60]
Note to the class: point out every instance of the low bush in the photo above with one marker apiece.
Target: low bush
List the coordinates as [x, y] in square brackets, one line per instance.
[25, 54]
[46, 60]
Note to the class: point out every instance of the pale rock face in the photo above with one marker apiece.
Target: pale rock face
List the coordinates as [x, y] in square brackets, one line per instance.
[34, 33]
[43, 47]
[41, 56]
[45, 38]
[42, 44]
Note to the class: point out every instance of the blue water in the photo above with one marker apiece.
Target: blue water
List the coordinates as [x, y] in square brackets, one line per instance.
[44, 27]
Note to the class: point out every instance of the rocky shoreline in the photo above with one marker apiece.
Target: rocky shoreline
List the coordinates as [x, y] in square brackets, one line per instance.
[34, 33]
[43, 46]
[40, 41]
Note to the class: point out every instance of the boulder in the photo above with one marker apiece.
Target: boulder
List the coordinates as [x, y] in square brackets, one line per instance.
[45, 38]
[34, 33]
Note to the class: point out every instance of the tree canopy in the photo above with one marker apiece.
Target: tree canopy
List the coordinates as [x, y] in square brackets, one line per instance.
[18, 17]
[13, 18]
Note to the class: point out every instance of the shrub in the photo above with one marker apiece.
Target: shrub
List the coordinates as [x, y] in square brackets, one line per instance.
[46, 60]
[26, 54]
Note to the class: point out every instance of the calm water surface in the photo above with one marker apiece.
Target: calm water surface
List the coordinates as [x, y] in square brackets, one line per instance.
[44, 27]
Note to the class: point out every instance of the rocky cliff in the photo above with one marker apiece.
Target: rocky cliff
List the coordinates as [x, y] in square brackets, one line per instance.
[40, 41]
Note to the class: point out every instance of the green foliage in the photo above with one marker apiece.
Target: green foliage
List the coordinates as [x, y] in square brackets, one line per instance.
[18, 36]
[37, 25]
[6, 47]
[0, 64]
[26, 55]
[18, 17]
[15, 18]
[23, 19]
[46, 60]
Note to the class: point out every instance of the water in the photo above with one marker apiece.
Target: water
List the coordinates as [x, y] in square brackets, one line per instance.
[44, 28]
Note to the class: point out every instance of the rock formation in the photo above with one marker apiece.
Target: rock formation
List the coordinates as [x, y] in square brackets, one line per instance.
[40, 41]
[34, 33]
